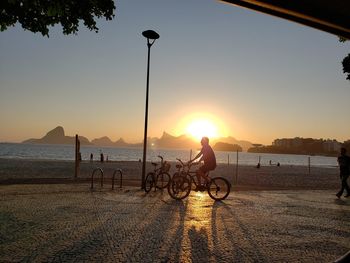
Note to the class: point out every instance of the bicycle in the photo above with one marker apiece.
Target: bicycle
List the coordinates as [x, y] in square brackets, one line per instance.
[182, 181]
[159, 178]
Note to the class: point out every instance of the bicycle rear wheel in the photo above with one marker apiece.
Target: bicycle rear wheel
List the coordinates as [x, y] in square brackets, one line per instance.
[219, 188]
[179, 187]
[163, 180]
[149, 182]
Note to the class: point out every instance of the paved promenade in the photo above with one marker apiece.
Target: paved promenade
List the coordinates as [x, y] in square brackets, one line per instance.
[69, 223]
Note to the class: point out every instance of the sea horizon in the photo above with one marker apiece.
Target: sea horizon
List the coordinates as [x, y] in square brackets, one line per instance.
[66, 152]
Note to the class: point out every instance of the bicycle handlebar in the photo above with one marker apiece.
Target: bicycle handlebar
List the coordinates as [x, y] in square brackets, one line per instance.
[161, 157]
[189, 164]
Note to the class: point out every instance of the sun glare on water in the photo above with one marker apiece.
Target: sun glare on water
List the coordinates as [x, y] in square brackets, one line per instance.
[202, 127]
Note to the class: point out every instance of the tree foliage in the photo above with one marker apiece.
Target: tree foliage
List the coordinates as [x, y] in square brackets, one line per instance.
[346, 66]
[346, 60]
[38, 15]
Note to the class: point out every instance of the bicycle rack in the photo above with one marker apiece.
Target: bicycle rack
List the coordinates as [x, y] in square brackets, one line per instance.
[102, 175]
[121, 178]
[92, 177]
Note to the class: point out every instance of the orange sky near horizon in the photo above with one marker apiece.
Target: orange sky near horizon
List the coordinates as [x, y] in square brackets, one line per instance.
[216, 68]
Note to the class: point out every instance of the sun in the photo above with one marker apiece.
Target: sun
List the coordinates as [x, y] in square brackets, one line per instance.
[202, 127]
[201, 124]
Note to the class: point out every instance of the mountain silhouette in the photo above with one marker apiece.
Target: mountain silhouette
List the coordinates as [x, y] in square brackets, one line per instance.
[169, 141]
[231, 140]
[103, 141]
[228, 147]
[57, 136]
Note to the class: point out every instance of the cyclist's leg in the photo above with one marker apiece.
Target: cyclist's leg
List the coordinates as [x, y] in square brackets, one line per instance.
[205, 173]
[200, 173]
[198, 183]
[205, 176]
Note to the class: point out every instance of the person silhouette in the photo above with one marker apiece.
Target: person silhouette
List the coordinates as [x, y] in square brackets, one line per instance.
[208, 156]
[344, 172]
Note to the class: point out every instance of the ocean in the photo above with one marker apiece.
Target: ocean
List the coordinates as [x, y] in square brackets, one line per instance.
[66, 152]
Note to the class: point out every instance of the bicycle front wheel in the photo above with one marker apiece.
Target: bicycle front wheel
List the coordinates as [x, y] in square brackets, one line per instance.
[163, 180]
[219, 188]
[179, 187]
[149, 182]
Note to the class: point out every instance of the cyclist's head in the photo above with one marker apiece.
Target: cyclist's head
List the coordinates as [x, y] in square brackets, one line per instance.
[205, 141]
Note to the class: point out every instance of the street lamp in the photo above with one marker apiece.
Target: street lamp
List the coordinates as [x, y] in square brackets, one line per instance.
[151, 37]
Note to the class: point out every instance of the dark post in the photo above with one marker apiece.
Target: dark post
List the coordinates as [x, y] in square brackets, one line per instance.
[150, 35]
[77, 156]
[146, 122]
[237, 168]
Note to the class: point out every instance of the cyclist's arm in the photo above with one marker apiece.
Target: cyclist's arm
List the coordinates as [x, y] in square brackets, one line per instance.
[197, 156]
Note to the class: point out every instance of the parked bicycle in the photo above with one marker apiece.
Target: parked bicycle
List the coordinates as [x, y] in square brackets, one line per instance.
[160, 177]
[184, 179]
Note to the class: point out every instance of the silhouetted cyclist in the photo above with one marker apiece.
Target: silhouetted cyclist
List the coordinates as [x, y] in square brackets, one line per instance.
[208, 156]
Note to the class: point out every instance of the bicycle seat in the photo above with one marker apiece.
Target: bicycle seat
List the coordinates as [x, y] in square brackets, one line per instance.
[154, 164]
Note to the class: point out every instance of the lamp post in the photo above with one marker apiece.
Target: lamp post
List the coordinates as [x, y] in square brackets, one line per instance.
[151, 37]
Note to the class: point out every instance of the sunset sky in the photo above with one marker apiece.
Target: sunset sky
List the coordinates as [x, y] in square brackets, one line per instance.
[249, 75]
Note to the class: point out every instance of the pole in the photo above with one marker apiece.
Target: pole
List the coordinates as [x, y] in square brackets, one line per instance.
[309, 161]
[77, 156]
[237, 168]
[146, 120]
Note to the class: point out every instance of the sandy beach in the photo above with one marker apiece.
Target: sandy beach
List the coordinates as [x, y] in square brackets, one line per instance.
[248, 177]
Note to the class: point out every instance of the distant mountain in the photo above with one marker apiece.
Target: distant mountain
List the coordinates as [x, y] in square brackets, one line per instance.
[57, 136]
[169, 141]
[122, 143]
[103, 141]
[231, 140]
[228, 147]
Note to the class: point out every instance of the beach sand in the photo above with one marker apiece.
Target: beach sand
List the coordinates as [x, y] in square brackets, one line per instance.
[248, 177]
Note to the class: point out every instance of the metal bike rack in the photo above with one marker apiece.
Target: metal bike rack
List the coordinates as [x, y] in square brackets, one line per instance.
[92, 177]
[121, 178]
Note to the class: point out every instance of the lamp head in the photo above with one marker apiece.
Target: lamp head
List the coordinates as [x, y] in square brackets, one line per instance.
[150, 34]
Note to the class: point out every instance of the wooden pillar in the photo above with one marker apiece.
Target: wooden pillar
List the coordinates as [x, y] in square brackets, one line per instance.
[77, 157]
[237, 168]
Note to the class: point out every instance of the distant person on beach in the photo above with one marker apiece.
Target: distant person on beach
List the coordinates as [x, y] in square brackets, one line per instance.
[102, 158]
[208, 156]
[91, 157]
[344, 169]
